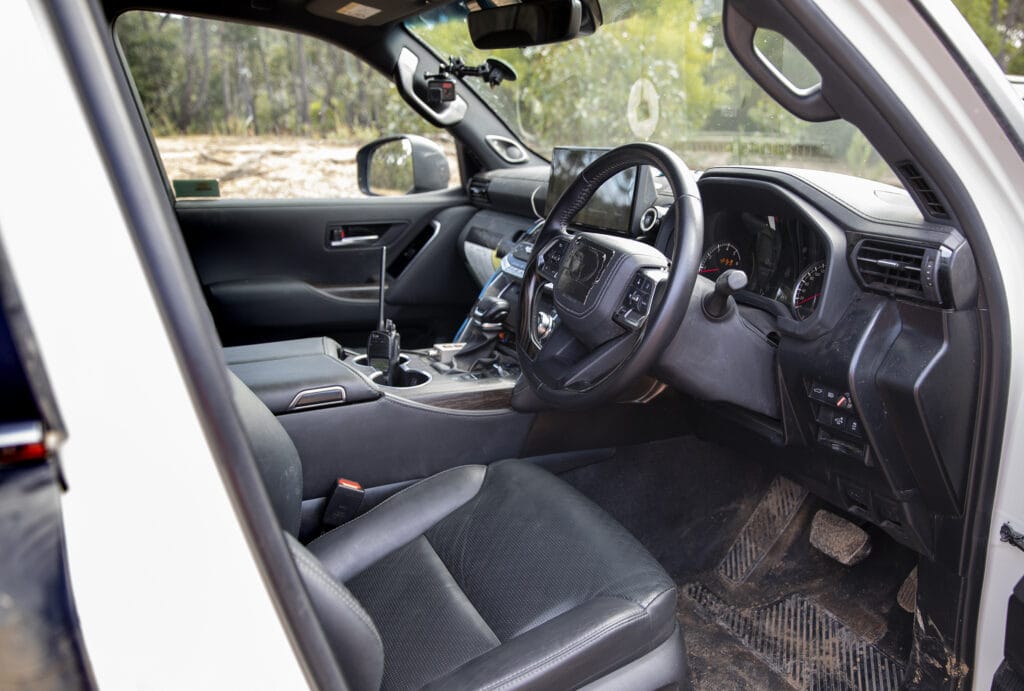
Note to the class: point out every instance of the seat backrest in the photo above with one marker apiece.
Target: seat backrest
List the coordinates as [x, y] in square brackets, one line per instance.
[349, 629]
[350, 632]
[276, 458]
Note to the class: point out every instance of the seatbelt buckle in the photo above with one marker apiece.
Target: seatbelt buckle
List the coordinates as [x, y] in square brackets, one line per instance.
[343, 503]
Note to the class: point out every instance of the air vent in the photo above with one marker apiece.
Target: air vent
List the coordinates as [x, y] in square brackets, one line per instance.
[895, 268]
[478, 191]
[923, 189]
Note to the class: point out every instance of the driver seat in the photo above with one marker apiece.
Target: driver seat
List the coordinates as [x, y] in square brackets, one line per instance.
[479, 577]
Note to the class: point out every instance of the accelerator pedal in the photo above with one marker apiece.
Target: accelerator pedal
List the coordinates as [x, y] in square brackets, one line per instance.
[840, 539]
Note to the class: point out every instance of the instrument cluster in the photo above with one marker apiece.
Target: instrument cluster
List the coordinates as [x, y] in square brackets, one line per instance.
[784, 258]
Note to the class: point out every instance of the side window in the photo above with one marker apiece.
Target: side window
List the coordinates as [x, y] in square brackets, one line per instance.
[248, 112]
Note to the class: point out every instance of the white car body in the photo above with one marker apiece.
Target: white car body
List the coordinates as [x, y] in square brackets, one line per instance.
[174, 600]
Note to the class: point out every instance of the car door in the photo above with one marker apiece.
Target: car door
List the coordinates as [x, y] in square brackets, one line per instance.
[258, 130]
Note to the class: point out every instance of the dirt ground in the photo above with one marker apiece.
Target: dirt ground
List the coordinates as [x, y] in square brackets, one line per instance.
[270, 167]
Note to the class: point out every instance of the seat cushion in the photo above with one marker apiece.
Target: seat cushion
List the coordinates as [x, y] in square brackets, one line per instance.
[500, 576]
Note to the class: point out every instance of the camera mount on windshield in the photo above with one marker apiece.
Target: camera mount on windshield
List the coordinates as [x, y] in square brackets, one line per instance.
[441, 86]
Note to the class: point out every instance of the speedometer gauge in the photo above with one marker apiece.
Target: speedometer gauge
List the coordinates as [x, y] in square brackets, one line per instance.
[807, 291]
[719, 258]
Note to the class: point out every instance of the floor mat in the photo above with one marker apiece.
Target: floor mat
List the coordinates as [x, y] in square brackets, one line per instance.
[803, 643]
[762, 530]
[760, 608]
[684, 499]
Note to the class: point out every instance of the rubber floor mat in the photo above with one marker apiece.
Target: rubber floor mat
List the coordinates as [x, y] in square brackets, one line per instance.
[802, 642]
[766, 524]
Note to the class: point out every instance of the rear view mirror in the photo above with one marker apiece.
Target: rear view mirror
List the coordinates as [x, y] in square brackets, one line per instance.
[403, 164]
[532, 23]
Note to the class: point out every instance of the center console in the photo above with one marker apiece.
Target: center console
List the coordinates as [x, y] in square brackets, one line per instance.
[297, 375]
[343, 419]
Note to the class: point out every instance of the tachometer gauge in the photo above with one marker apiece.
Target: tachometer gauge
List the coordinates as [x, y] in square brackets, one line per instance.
[719, 258]
[807, 291]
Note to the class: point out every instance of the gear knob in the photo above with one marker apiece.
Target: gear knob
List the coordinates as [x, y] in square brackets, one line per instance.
[719, 304]
[491, 310]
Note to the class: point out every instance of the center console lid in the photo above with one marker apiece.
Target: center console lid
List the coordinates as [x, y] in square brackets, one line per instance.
[289, 376]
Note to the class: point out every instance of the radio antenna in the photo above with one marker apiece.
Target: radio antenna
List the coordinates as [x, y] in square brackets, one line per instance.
[380, 298]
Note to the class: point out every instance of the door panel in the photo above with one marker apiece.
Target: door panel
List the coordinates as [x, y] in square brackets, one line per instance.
[286, 269]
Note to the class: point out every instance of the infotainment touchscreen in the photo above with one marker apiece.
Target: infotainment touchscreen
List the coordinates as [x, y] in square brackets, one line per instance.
[612, 206]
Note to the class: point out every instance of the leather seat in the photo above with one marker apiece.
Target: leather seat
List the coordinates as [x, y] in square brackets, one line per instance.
[479, 577]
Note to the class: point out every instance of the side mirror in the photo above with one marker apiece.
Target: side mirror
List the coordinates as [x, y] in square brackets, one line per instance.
[535, 23]
[401, 164]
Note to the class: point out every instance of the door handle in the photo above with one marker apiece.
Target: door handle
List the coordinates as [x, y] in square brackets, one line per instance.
[355, 240]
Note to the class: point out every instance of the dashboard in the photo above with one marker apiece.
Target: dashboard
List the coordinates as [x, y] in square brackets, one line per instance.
[854, 352]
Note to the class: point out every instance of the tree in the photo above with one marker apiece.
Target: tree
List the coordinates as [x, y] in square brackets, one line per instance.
[301, 85]
[1000, 25]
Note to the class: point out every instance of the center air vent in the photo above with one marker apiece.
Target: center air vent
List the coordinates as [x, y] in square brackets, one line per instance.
[478, 191]
[895, 268]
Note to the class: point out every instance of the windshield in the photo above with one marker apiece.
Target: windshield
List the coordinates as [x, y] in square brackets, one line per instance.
[657, 71]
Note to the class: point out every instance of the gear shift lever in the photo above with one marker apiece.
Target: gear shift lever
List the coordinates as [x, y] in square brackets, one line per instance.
[489, 314]
[486, 322]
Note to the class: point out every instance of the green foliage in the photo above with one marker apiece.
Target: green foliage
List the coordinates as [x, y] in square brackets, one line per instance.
[709, 110]
[576, 92]
[201, 76]
[198, 76]
[391, 171]
[1000, 25]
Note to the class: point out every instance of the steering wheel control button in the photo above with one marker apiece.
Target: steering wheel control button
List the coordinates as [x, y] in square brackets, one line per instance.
[551, 259]
[636, 303]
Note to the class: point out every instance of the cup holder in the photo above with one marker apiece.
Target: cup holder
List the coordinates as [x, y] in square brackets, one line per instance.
[362, 362]
[406, 378]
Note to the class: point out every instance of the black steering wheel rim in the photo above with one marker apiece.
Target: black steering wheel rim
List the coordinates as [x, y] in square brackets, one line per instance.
[665, 318]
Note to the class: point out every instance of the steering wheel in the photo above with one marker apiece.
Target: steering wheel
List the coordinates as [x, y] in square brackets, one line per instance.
[619, 301]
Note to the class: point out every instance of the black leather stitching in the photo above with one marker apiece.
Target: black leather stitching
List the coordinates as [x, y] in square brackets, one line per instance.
[497, 640]
[316, 570]
[347, 526]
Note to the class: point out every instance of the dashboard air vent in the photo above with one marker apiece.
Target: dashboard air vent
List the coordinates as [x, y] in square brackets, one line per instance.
[895, 268]
[478, 191]
[923, 189]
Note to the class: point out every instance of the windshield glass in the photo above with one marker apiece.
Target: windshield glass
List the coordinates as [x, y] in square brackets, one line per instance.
[657, 71]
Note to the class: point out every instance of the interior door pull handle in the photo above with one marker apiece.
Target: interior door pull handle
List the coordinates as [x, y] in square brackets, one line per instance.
[355, 240]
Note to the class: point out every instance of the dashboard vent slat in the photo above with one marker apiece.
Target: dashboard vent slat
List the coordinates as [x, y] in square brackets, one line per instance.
[923, 189]
[899, 269]
[478, 191]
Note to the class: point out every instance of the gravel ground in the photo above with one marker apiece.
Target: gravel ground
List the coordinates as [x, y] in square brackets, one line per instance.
[270, 167]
